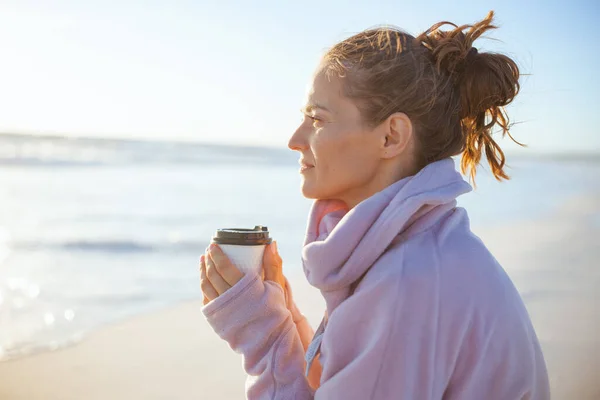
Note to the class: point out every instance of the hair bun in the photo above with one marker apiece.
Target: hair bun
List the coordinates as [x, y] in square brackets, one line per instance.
[467, 60]
[472, 53]
[484, 83]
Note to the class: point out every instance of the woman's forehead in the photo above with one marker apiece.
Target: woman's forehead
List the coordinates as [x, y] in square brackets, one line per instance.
[324, 92]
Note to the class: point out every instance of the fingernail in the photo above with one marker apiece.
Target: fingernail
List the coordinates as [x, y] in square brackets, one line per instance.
[202, 259]
[274, 247]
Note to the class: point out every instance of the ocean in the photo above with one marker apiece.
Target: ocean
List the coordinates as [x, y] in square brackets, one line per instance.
[94, 231]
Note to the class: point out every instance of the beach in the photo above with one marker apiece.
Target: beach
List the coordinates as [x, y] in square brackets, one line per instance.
[173, 353]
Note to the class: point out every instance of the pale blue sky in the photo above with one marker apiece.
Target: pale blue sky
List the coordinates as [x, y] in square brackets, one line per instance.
[236, 71]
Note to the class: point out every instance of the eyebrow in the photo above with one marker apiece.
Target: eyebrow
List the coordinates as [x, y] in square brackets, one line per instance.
[314, 106]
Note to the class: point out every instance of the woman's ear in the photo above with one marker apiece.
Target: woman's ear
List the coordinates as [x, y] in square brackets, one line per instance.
[398, 130]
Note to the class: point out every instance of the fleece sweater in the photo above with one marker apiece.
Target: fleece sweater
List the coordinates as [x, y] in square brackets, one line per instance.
[416, 306]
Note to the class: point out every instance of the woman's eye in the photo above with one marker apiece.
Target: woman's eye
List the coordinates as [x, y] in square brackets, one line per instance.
[313, 118]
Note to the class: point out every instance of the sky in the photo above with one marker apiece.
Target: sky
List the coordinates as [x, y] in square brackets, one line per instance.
[236, 72]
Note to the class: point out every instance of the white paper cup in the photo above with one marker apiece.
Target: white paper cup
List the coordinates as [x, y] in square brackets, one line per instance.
[245, 258]
[244, 247]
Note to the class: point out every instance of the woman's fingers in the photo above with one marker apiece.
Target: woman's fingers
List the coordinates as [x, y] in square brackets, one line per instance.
[213, 275]
[217, 273]
[273, 265]
[227, 270]
[269, 262]
[208, 290]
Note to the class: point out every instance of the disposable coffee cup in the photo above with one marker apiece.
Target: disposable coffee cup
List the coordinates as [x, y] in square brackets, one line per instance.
[244, 247]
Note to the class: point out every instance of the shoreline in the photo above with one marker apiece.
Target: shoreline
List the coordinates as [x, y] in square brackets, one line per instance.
[173, 353]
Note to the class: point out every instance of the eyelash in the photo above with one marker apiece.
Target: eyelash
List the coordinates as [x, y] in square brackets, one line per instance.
[314, 119]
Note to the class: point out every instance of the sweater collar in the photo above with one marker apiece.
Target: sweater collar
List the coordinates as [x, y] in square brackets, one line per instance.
[341, 244]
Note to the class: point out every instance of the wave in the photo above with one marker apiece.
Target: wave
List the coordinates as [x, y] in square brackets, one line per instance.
[113, 246]
[40, 162]
[27, 348]
[54, 151]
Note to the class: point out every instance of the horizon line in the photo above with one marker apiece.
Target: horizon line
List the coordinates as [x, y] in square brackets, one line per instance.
[522, 152]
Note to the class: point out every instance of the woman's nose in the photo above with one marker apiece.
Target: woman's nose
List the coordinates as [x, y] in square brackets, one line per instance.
[299, 141]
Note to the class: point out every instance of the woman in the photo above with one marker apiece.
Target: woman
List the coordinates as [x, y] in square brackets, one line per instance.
[417, 307]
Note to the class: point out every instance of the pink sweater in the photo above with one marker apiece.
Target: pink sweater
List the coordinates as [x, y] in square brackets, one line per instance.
[435, 316]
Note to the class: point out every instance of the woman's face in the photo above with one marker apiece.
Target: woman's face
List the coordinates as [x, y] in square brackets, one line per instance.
[340, 153]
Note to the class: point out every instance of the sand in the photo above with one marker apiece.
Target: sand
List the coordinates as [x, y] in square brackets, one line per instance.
[173, 354]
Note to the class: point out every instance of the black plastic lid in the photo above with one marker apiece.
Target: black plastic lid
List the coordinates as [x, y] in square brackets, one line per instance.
[243, 237]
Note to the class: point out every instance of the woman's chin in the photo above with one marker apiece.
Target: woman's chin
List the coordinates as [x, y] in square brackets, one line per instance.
[309, 194]
[309, 191]
[316, 194]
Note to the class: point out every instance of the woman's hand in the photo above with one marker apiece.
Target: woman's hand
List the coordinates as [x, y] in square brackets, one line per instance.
[273, 265]
[218, 274]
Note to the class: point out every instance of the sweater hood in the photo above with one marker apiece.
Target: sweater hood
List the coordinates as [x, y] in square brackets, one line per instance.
[341, 245]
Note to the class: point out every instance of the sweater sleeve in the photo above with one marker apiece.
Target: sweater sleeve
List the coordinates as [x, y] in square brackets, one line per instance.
[303, 327]
[254, 319]
[306, 333]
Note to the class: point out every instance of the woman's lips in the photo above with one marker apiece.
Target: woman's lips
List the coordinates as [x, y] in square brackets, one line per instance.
[304, 166]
